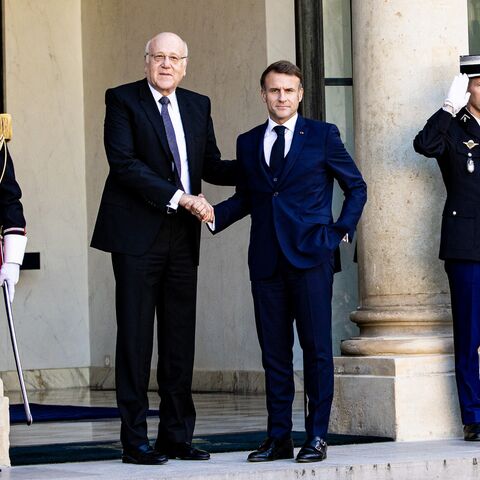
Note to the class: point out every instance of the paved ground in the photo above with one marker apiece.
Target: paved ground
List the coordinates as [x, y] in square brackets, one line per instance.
[439, 460]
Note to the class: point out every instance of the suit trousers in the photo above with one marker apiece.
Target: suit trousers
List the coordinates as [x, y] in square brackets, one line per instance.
[162, 281]
[303, 296]
[464, 280]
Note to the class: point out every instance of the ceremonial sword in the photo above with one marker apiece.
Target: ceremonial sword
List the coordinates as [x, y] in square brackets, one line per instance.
[11, 326]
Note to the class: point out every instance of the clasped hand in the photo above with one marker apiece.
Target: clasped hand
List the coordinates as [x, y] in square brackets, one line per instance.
[198, 206]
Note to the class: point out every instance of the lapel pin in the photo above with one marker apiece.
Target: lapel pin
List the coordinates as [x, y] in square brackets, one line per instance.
[465, 117]
[301, 132]
[470, 144]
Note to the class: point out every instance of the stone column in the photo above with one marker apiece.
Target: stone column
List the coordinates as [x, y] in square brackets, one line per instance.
[405, 54]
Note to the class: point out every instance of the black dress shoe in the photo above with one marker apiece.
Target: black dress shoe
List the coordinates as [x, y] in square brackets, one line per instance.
[143, 455]
[272, 449]
[471, 433]
[185, 451]
[313, 450]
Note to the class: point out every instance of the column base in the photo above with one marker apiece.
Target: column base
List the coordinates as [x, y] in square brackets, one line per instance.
[398, 345]
[4, 429]
[412, 397]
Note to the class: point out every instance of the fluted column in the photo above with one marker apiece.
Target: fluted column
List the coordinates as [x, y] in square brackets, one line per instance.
[405, 54]
[400, 369]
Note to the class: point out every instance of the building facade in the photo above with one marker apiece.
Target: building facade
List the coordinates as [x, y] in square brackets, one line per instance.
[378, 70]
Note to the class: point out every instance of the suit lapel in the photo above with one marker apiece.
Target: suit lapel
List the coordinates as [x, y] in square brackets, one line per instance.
[298, 141]
[261, 154]
[148, 104]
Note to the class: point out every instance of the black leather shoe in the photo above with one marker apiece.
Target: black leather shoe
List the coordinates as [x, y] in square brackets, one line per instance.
[272, 449]
[185, 451]
[471, 433]
[313, 450]
[143, 455]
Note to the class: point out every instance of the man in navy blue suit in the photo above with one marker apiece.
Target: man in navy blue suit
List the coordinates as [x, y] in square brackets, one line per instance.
[287, 170]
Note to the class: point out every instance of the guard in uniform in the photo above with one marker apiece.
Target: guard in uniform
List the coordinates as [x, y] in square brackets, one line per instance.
[12, 220]
[452, 137]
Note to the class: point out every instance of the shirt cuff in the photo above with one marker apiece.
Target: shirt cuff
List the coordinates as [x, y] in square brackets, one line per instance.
[14, 248]
[173, 203]
[211, 225]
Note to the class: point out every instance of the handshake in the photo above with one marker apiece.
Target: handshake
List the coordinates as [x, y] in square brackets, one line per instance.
[198, 206]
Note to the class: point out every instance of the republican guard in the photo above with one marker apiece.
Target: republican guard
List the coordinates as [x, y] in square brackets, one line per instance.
[11, 213]
[452, 137]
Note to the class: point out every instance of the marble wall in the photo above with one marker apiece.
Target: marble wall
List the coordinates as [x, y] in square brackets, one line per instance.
[44, 94]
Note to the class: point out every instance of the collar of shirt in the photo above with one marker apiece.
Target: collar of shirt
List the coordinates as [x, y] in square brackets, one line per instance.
[477, 119]
[173, 105]
[289, 124]
[271, 136]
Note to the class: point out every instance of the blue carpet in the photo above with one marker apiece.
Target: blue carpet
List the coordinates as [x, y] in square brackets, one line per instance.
[59, 413]
[218, 443]
[112, 450]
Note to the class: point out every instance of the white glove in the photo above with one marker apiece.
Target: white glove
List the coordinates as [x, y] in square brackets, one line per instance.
[9, 272]
[457, 96]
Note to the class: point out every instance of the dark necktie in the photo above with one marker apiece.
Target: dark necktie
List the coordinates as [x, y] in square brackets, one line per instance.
[172, 141]
[277, 155]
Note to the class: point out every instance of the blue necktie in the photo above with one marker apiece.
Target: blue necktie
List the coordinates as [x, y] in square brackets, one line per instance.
[172, 141]
[277, 155]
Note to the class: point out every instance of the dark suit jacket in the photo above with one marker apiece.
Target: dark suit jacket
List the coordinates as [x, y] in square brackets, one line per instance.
[445, 138]
[140, 182]
[295, 210]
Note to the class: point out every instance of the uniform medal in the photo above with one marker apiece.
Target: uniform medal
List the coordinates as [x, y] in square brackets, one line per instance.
[470, 163]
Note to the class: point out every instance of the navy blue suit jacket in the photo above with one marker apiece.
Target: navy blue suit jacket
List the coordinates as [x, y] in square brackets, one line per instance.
[294, 211]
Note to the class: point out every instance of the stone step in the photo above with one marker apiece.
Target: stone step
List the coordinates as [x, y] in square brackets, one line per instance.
[439, 460]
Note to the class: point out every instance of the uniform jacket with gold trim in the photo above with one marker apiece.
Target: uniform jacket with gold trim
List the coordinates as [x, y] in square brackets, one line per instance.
[455, 143]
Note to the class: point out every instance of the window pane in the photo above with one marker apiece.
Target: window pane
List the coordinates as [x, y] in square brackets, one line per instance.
[337, 39]
[474, 27]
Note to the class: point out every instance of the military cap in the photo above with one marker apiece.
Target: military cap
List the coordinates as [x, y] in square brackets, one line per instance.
[470, 64]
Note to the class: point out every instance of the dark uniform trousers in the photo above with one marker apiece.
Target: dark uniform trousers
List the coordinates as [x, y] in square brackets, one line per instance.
[455, 143]
[464, 280]
[163, 280]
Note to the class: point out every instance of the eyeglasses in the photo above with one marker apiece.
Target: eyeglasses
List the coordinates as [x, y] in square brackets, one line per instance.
[161, 58]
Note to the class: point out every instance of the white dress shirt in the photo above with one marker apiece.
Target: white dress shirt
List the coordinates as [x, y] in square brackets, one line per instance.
[271, 136]
[176, 119]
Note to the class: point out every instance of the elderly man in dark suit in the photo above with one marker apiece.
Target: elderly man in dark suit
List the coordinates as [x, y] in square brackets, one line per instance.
[287, 167]
[160, 144]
